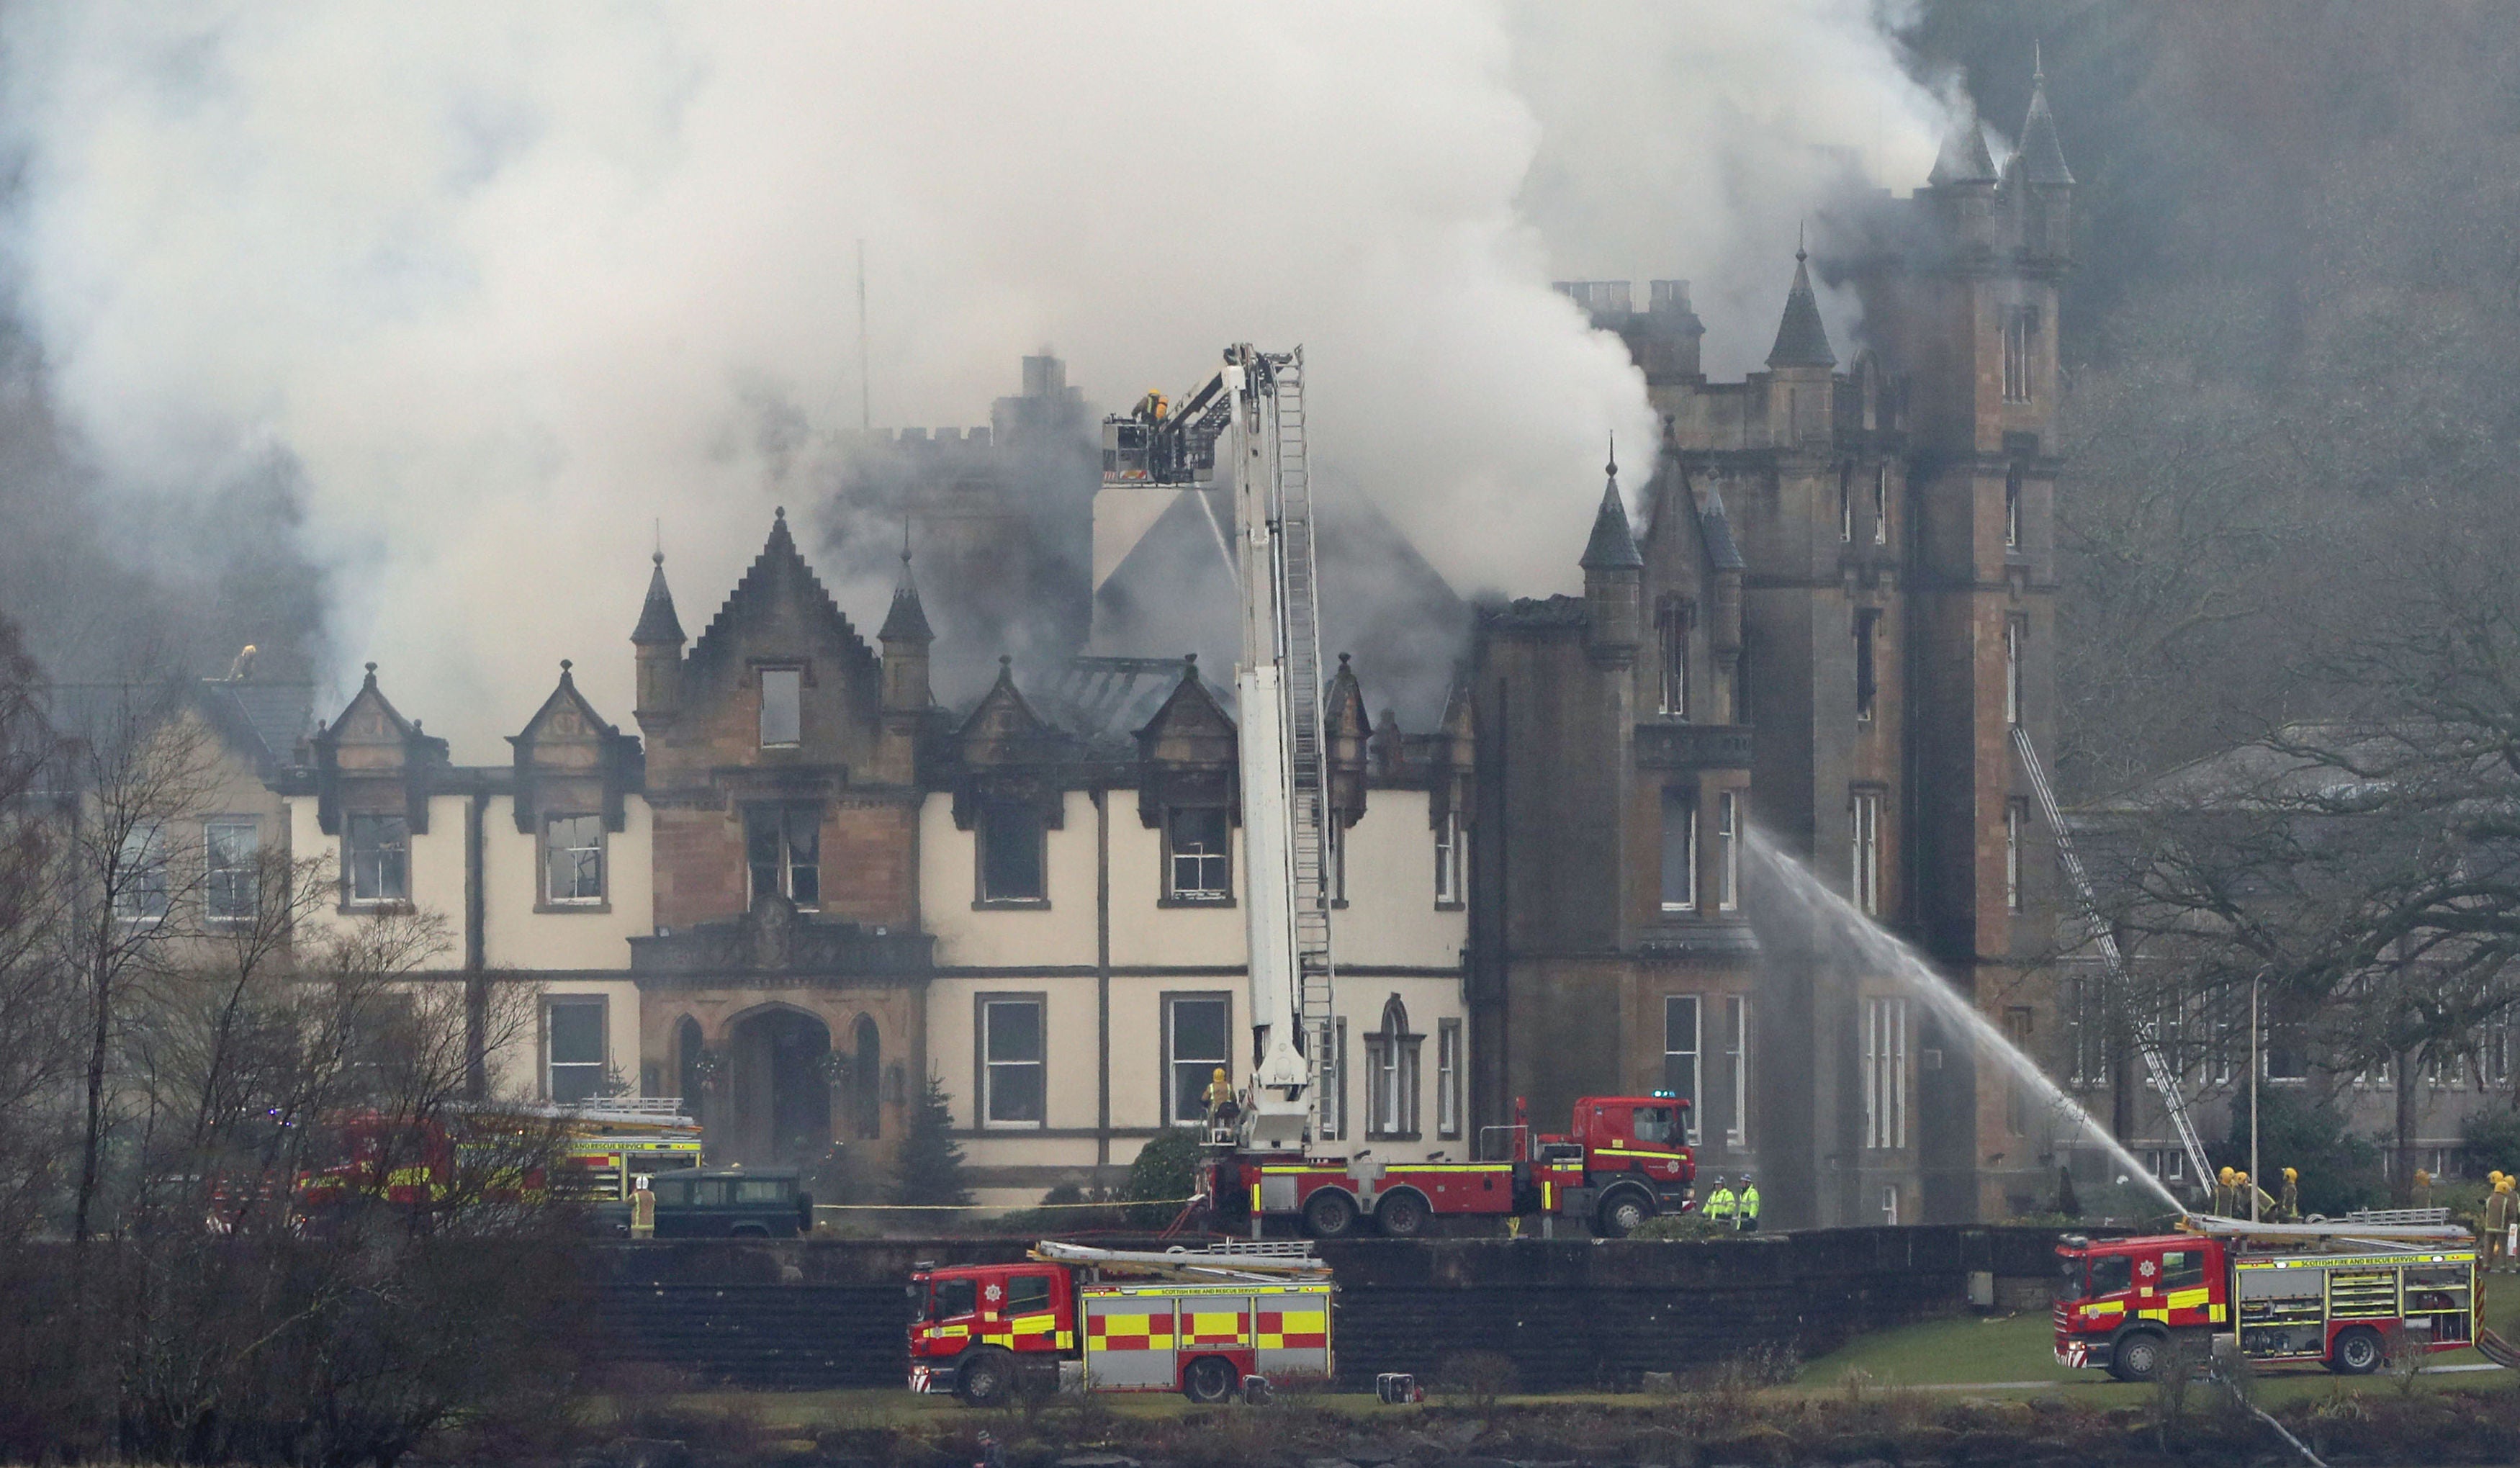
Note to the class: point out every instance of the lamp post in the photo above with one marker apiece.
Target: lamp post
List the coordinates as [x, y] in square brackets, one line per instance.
[2256, 1062]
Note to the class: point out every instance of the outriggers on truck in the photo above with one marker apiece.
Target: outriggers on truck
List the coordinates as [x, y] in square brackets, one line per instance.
[2345, 1294]
[1204, 1322]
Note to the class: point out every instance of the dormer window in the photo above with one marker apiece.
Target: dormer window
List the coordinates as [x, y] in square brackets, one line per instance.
[783, 707]
[375, 858]
[573, 861]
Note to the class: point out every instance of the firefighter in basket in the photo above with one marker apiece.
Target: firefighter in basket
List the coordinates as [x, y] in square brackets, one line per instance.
[1223, 1112]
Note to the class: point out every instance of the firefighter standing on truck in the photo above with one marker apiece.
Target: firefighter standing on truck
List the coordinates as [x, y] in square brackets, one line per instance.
[2288, 1211]
[2225, 1191]
[1748, 1205]
[2502, 1211]
[1721, 1203]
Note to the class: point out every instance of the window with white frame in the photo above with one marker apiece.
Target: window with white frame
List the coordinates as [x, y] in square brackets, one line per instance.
[231, 869]
[2020, 327]
[1846, 503]
[575, 1047]
[1671, 627]
[784, 850]
[573, 860]
[375, 858]
[1737, 1056]
[2373, 1075]
[1333, 1080]
[1391, 1085]
[2017, 814]
[2012, 507]
[140, 886]
[2494, 1057]
[1863, 869]
[1885, 1074]
[783, 707]
[2015, 631]
[1882, 503]
[1198, 861]
[1680, 1013]
[1727, 836]
[1679, 851]
[1447, 1078]
[2088, 1031]
[1448, 860]
[1196, 1045]
[1014, 1060]
[2287, 1054]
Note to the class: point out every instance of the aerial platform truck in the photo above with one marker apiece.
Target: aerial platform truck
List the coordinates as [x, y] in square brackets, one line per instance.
[1623, 1159]
[2346, 1293]
[1207, 1322]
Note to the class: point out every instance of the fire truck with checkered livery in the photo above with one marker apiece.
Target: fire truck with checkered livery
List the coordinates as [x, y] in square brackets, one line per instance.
[1623, 1159]
[2344, 1294]
[1203, 1323]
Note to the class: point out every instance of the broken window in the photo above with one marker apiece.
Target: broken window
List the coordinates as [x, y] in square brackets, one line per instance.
[1014, 1060]
[231, 891]
[376, 856]
[1846, 503]
[1012, 842]
[1868, 683]
[1198, 865]
[573, 858]
[783, 847]
[1672, 630]
[2012, 507]
[783, 707]
[2020, 327]
[1679, 851]
[1885, 1073]
[1727, 835]
[1865, 859]
[1882, 503]
[1680, 1015]
[574, 1047]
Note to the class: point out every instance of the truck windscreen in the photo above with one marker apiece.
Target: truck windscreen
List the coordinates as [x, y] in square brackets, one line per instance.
[1657, 1124]
[949, 1298]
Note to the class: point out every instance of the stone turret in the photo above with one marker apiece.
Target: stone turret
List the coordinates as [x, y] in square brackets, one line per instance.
[658, 639]
[906, 638]
[2038, 183]
[1614, 578]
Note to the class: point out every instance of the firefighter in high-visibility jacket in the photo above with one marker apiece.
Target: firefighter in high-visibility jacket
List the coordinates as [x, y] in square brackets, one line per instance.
[1721, 1203]
[2288, 1208]
[2226, 1192]
[1748, 1205]
[2501, 1212]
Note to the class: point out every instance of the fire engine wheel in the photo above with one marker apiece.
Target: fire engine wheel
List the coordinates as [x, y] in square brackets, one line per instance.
[1208, 1379]
[1401, 1214]
[1623, 1213]
[2139, 1355]
[1330, 1214]
[987, 1377]
[2357, 1352]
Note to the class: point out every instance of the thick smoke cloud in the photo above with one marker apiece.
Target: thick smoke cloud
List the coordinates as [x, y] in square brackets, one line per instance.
[510, 286]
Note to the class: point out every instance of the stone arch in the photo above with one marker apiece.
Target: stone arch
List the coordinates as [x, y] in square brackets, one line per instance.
[778, 1092]
[865, 1079]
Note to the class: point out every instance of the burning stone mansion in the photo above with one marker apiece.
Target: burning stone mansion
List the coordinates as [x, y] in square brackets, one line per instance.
[805, 884]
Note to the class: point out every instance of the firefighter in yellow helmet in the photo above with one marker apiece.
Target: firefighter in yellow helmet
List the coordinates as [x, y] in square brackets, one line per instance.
[2422, 1194]
[2225, 1191]
[2501, 1214]
[2289, 1208]
[1221, 1109]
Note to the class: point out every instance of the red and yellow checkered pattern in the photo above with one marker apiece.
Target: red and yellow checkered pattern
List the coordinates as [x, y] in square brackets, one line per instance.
[1289, 1329]
[1220, 1327]
[1152, 1331]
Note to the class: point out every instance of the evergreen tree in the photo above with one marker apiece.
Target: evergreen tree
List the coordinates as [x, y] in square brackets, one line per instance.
[928, 1167]
[1160, 1180]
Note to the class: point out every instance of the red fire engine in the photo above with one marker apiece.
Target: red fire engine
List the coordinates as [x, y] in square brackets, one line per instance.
[1203, 1323]
[2337, 1292]
[1623, 1160]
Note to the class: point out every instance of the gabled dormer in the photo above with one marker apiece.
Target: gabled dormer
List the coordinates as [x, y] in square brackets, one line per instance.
[1188, 754]
[1006, 756]
[372, 760]
[571, 762]
[1346, 731]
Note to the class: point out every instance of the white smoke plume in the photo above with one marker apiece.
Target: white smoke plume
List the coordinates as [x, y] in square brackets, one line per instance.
[512, 283]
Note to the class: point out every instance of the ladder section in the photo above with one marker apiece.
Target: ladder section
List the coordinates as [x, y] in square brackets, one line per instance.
[1300, 611]
[2148, 1036]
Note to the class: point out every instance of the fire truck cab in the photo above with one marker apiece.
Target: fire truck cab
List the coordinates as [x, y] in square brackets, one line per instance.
[2334, 1294]
[1202, 1322]
[1621, 1161]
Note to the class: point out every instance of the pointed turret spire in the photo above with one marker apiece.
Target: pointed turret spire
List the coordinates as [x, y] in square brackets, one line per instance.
[907, 620]
[1966, 158]
[658, 624]
[1801, 339]
[2041, 160]
[1613, 545]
